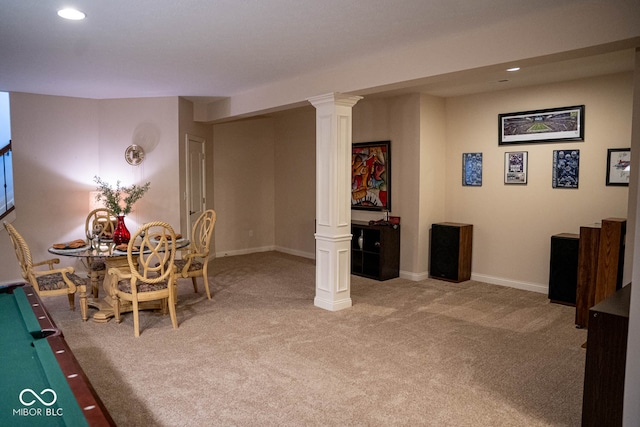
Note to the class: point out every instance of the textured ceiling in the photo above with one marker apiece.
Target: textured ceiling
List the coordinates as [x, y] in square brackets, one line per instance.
[218, 48]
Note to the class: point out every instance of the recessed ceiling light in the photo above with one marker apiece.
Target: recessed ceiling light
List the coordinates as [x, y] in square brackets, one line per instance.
[72, 14]
[513, 69]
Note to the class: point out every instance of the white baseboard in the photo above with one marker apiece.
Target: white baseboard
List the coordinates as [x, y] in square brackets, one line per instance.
[527, 286]
[302, 254]
[245, 251]
[415, 277]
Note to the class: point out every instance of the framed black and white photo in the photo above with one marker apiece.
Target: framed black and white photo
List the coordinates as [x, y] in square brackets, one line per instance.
[566, 168]
[515, 167]
[554, 124]
[472, 169]
[618, 166]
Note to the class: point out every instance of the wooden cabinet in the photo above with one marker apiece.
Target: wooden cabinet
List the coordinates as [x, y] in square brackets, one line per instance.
[450, 249]
[375, 250]
[606, 361]
[600, 264]
[563, 268]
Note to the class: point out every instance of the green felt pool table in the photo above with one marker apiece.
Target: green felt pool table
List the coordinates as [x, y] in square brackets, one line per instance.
[41, 382]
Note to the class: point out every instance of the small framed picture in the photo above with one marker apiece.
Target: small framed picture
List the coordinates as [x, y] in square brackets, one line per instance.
[515, 167]
[472, 169]
[566, 168]
[618, 166]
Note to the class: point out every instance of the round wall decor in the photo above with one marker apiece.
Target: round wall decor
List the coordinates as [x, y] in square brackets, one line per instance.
[134, 154]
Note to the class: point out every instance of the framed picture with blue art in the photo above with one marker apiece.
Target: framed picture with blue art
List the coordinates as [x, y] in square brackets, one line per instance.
[371, 176]
[566, 168]
[472, 169]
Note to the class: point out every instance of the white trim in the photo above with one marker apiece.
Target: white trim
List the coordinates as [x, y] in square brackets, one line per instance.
[415, 277]
[245, 251]
[527, 286]
[308, 255]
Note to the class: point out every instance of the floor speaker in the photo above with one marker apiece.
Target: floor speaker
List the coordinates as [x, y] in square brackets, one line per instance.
[450, 257]
[563, 268]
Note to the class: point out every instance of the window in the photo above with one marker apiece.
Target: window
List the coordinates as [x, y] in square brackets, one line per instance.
[6, 181]
[6, 158]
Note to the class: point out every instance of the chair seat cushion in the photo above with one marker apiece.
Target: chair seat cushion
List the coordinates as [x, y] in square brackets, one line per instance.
[51, 282]
[180, 263]
[125, 286]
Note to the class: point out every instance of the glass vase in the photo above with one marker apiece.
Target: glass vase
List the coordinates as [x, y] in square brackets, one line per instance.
[121, 235]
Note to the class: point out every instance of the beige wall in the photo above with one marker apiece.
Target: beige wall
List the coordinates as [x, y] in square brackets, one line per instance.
[295, 182]
[244, 186]
[512, 223]
[61, 143]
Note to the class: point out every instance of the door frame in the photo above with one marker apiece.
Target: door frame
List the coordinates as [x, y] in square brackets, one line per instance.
[196, 139]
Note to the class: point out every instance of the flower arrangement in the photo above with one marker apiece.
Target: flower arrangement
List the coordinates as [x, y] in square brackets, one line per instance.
[113, 198]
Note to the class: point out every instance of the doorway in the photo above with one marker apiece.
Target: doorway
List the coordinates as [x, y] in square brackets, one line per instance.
[195, 179]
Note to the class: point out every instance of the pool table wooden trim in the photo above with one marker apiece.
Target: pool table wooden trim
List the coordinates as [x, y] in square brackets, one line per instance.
[88, 400]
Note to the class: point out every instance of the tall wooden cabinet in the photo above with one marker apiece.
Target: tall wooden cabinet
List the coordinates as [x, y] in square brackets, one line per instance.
[450, 257]
[600, 264]
[375, 250]
[605, 365]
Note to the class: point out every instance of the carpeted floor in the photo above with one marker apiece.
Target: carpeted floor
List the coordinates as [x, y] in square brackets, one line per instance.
[429, 353]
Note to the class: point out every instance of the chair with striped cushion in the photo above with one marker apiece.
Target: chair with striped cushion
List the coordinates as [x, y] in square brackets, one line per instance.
[48, 281]
[151, 275]
[194, 263]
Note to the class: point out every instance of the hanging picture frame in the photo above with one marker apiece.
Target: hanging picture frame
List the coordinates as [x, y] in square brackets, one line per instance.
[515, 167]
[371, 176]
[472, 169]
[618, 166]
[566, 168]
[553, 124]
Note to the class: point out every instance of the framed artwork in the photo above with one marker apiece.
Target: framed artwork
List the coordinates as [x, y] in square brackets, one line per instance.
[618, 166]
[515, 167]
[371, 176]
[555, 124]
[566, 168]
[472, 169]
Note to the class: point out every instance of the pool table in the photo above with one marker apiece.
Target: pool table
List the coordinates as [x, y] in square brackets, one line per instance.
[41, 383]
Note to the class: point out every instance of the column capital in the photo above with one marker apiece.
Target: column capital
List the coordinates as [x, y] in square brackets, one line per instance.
[334, 98]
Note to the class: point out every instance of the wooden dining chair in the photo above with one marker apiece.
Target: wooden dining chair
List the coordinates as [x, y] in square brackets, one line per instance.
[195, 260]
[151, 275]
[48, 281]
[99, 222]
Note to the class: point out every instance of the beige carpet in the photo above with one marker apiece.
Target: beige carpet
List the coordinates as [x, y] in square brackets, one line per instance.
[427, 353]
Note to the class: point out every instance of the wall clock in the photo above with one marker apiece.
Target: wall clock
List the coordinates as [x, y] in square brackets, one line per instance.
[134, 154]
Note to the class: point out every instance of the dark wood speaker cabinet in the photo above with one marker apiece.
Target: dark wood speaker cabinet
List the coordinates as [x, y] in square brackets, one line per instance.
[450, 250]
[600, 264]
[378, 254]
[563, 268]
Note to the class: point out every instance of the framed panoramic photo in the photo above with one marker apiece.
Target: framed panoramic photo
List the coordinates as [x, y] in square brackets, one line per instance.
[618, 166]
[371, 176]
[566, 168]
[555, 124]
[515, 167]
[472, 169]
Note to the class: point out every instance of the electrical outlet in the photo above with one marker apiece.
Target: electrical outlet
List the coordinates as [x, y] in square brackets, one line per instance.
[250, 233]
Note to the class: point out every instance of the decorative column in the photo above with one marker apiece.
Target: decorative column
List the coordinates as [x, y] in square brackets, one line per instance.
[333, 200]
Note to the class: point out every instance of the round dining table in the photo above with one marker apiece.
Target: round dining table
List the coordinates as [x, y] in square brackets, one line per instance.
[113, 258]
